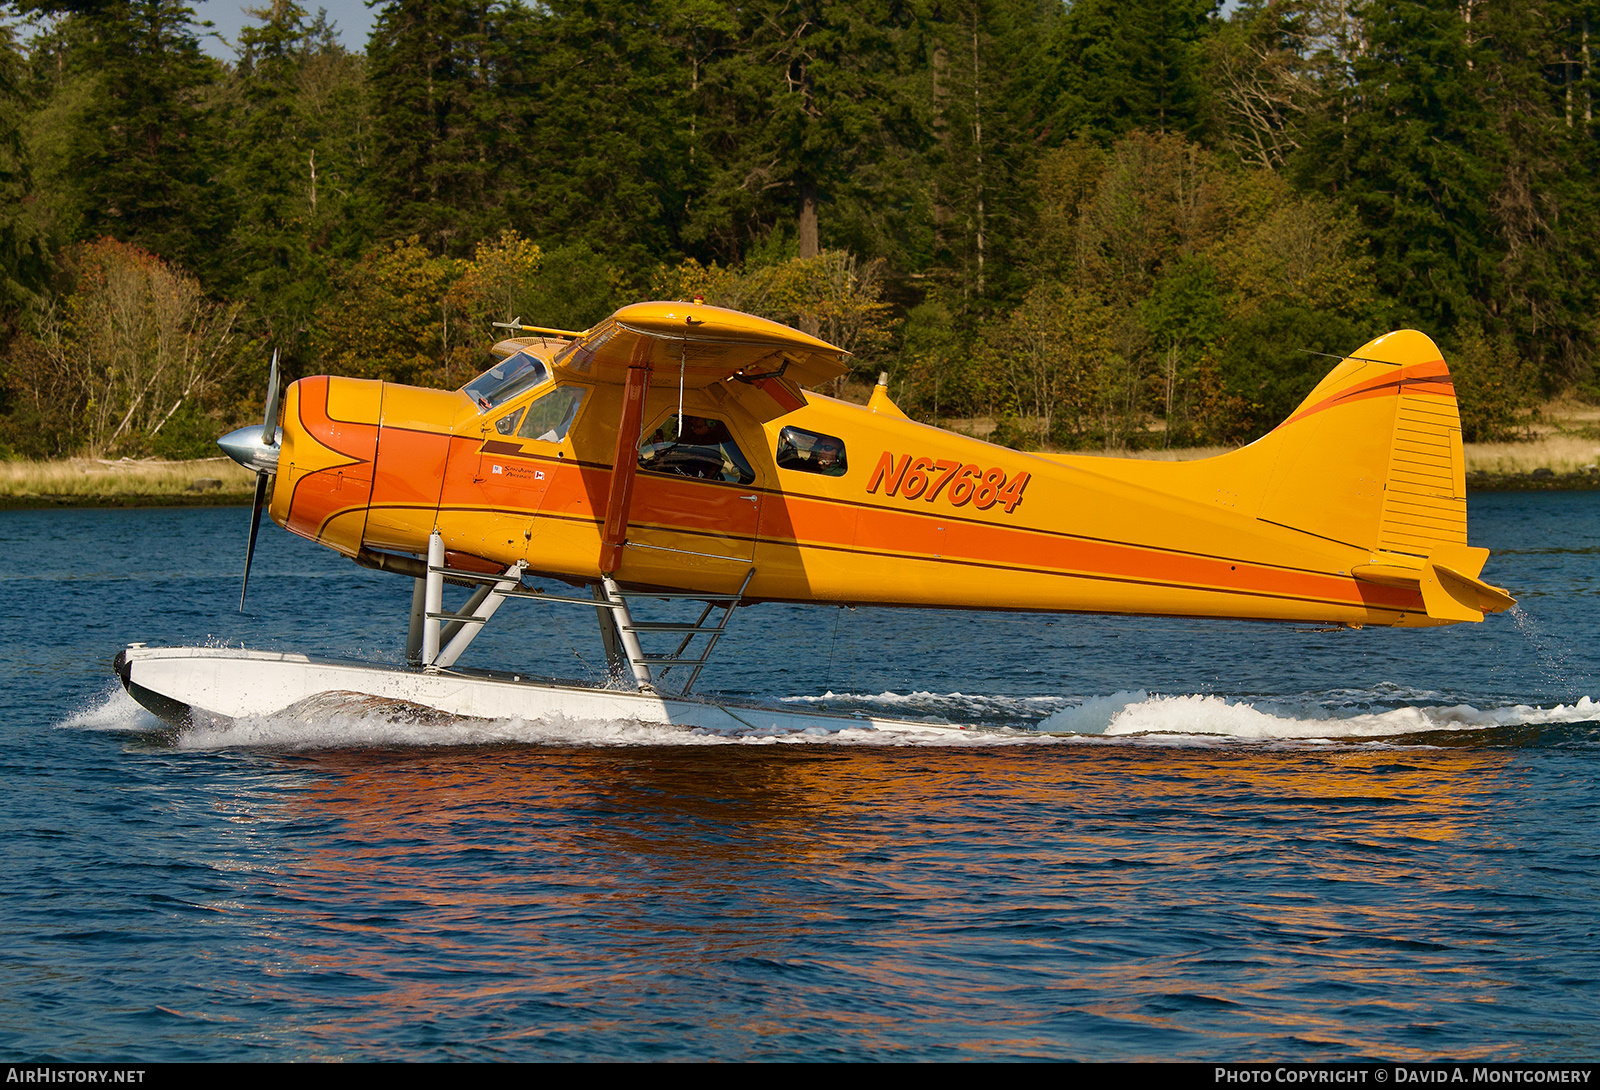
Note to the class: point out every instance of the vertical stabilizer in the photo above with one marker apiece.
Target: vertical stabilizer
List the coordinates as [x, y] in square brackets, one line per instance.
[1371, 460]
[1372, 457]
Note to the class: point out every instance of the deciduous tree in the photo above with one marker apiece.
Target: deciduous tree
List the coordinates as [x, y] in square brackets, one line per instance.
[134, 343]
[389, 318]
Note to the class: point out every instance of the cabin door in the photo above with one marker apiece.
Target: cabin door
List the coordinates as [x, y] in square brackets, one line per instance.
[696, 506]
[523, 451]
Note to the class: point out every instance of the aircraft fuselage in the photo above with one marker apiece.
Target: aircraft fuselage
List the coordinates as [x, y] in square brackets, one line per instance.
[900, 514]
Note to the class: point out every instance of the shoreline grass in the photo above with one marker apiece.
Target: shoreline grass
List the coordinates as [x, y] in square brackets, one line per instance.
[1561, 454]
[86, 478]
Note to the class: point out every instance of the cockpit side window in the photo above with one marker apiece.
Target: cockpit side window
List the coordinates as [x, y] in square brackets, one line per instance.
[811, 452]
[550, 418]
[704, 448]
[507, 424]
[505, 380]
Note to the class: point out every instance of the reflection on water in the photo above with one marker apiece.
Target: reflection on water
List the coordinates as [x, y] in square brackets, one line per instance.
[1088, 902]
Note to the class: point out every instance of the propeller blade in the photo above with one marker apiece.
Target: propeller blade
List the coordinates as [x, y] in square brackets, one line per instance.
[255, 524]
[269, 430]
[269, 438]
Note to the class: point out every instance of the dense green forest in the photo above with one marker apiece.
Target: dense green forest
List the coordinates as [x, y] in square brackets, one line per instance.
[1105, 223]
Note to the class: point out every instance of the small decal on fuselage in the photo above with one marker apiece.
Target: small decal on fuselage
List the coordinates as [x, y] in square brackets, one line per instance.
[913, 478]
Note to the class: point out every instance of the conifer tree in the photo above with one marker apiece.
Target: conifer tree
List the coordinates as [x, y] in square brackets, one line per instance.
[1455, 154]
[1120, 65]
[447, 91]
[265, 158]
[811, 114]
[980, 97]
[616, 127]
[1545, 210]
[24, 263]
[1414, 159]
[295, 142]
[143, 151]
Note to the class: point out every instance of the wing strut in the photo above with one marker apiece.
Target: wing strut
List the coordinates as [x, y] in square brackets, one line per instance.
[626, 464]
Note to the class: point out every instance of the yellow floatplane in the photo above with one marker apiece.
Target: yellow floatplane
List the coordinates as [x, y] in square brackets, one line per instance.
[674, 452]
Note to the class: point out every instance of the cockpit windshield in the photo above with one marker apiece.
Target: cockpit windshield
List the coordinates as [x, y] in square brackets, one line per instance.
[505, 380]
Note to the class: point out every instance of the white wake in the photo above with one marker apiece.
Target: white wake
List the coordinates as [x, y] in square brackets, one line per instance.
[349, 720]
[1143, 714]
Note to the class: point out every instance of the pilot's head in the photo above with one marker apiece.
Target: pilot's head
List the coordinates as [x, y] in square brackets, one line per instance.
[698, 429]
[825, 452]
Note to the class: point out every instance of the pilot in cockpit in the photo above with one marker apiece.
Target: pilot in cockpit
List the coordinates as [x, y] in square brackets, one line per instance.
[703, 448]
[811, 452]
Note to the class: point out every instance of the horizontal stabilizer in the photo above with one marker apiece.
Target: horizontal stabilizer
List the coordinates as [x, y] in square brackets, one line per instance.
[1447, 579]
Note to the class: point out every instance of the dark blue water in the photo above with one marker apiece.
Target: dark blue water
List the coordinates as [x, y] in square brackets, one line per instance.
[1264, 843]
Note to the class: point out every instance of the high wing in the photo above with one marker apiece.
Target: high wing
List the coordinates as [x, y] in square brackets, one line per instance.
[692, 346]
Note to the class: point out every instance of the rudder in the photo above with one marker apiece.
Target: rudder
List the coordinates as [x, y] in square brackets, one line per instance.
[1373, 458]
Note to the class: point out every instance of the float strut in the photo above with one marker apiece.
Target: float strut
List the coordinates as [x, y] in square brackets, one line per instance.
[474, 615]
[419, 609]
[433, 600]
[630, 639]
[610, 636]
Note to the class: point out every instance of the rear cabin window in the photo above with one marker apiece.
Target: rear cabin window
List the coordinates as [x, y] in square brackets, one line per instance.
[704, 450]
[505, 380]
[811, 452]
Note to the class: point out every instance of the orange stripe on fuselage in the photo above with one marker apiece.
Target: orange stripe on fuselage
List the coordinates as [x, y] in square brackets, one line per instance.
[1418, 378]
[889, 532]
[576, 491]
[322, 495]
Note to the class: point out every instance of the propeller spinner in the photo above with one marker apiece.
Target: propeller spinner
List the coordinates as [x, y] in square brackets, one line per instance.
[257, 450]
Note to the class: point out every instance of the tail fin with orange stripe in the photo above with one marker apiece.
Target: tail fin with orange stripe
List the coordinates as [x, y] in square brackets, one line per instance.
[1371, 459]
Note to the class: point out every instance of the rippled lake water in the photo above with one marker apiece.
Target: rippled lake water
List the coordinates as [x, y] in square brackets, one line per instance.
[1252, 842]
